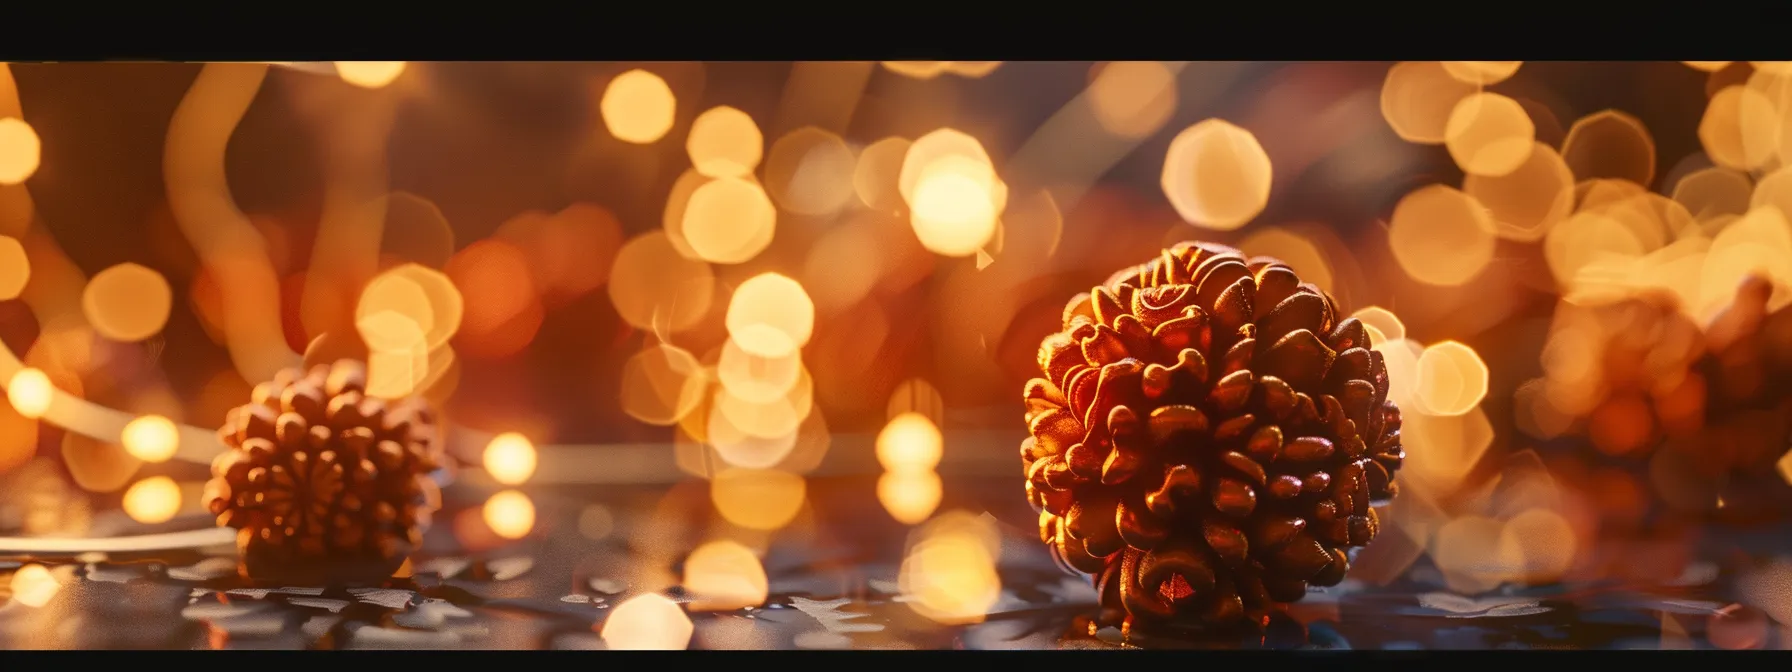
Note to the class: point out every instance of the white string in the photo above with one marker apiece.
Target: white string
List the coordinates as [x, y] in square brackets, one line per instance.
[167, 541]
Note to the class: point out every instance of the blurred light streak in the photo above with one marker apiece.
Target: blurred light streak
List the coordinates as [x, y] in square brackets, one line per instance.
[227, 243]
[346, 254]
[204, 538]
[57, 293]
[100, 423]
[1070, 152]
[823, 94]
[654, 464]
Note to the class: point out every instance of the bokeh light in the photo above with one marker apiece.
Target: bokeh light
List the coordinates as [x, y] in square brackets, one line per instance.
[1489, 134]
[638, 107]
[1539, 545]
[656, 288]
[1526, 202]
[953, 194]
[1418, 97]
[127, 302]
[1217, 175]
[34, 586]
[1401, 356]
[662, 384]
[502, 305]
[1445, 449]
[910, 496]
[1452, 379]
[1482, 73]
[15, 268]
[152, 500]
[20, 150]
[1132, 99]
[1383, 325]
[809, 171]
[724, 142]
[728, 221]
[770, 315]
[1612, 145]
[755, 378]
[1740, 129]
[953, 210]
[509, 514]
[723, 576]
[909, 443]
[757, 499]
[949, 574]
[1463, 548]
[425, 296]
[1441, 236]
[30, 392]
[875, 177]
[369, 74]
[570, 251]
[510, 458]
[151, 438]
[648, 622]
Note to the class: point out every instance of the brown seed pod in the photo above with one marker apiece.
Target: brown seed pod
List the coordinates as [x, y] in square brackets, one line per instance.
[1207, 438]
[324, 483]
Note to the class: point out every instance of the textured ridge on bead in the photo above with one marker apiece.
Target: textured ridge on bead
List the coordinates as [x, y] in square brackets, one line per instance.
[1207, 437]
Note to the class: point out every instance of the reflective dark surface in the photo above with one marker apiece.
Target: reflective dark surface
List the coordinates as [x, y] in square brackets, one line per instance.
[833, 584]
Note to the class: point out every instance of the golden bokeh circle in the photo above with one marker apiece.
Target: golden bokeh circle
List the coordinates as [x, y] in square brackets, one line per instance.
[369, 74]
[875, 177]
[1611, 145]
[662, 384]
[1132, 99]
[153, 500]
[1526, 202]
[1740, 128]
[757, 499]
[20, 150]
[1441, 236]
[644, 296]
[724, 142]
[1489, 134]
[770, 315]
[1417, 98]
[809, 171]
[638, 107]
[127, 302]
[1217, 175]
[728, 221]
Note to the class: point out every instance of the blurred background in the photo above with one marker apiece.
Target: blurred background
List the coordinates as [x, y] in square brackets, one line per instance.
[746, 273]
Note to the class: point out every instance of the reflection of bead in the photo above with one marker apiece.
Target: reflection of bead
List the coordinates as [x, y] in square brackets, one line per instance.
[324, 482]
[1207, 438]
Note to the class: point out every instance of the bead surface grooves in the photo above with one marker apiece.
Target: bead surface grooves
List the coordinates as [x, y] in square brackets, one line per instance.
[323, 482]
[1207, 438]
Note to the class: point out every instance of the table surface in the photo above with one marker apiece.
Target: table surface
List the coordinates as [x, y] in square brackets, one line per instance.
[833, 584]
